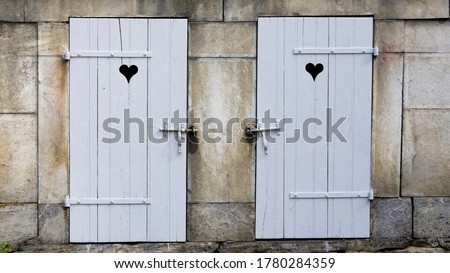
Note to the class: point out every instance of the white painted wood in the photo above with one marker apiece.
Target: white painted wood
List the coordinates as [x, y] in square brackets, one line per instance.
[269, 167]
[132, 171]
[326, 186]
[305, 98]
[104, 149]
[83, 134]
[350, 96]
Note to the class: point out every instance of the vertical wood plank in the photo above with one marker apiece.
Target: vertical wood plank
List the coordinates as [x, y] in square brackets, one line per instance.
[306, 162]
[159, 109]
[269, 167]
[178, 101]
[104, 149]
[120, 151]
[350, 97]
[137, 29]
[83, 131]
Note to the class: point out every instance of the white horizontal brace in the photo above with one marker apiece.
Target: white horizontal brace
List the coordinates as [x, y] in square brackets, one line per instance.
[337, 50]
[106, 54]
[106, 201]
[337, 194]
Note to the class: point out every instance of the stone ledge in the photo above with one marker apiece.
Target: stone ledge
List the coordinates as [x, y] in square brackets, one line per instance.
[438, 245]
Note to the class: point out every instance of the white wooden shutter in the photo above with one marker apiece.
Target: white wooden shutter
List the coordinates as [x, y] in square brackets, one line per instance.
[304, 189]
[136, 191]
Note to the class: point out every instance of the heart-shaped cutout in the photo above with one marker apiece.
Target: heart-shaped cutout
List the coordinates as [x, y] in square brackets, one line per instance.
[314, 70]
[128, 72]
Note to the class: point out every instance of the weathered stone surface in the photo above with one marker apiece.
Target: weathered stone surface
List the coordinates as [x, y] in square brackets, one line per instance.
[196, 10]
[18, 84]
[387, 124]
[444, 243]
[53, 129]
[426, 157]
[18, 154]
[53, 224]
[427, 81]
[12, 10]
[222, 40]
[389, 35]
[391, 218]
[414, 249]
[61, 10]
[431, 217]
[196, 247]
[53, 38]
[221, 222]
[18, 222]
[301, 246]
[222, 89]
[18, 39]
[427, 36]
[249, 10]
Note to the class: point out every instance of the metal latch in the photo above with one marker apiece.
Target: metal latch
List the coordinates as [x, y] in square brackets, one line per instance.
[253, 129]
[179, 131]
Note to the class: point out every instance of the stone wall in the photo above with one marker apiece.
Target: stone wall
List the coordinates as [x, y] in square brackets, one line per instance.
[411, 119]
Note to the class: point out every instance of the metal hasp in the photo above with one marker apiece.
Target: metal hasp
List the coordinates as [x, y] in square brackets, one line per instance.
[179, 131]
[337, 50]
[337, 194]
[252, 129]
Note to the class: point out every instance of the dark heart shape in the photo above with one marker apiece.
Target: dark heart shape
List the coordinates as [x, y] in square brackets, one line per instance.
[128, 72]
[314, 70]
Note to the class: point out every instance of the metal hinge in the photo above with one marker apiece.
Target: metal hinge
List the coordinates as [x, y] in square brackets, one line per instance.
[105, 201]
[67, 55]
[253, 129]
[337, 194]
[179, 131]
[336, 50]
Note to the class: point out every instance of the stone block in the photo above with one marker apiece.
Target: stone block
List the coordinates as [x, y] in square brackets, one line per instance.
[12, 10]
[387, 124]
[223, 89]
[427, 36]
[431, 217]
[196, 10]
[18, 84]
[426, 157]
[61, 10]
[391, 218]
[53, 129]
[53, 39]
[249, 10]
[221, 222]
[427, 81]
[222, 40]
[18, 39]
[18, 223]
[18, 158]
[389, 35]
[53, 224]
